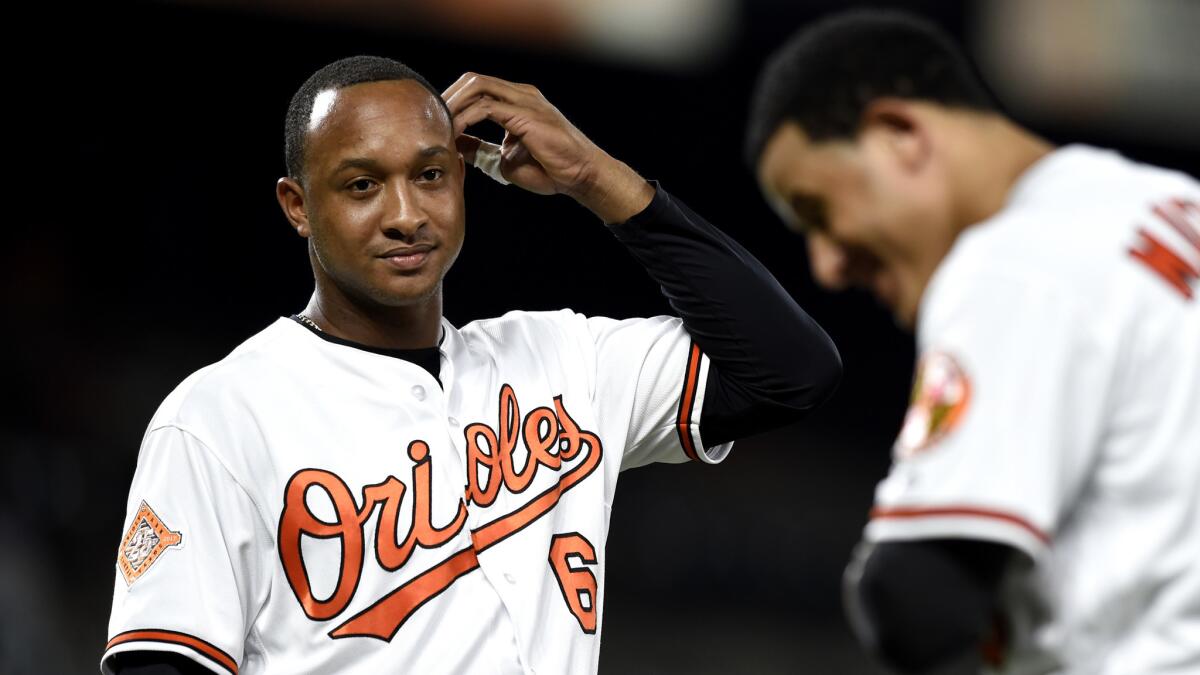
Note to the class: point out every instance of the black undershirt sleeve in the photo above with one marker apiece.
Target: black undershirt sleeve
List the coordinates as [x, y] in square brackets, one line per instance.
[770, 362]
[920, 605]
[155, 663]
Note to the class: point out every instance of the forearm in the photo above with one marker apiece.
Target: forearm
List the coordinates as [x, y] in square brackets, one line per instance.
[919, 605]
[770, 360]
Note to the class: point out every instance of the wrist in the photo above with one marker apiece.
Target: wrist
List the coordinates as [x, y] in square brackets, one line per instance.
[613, 191]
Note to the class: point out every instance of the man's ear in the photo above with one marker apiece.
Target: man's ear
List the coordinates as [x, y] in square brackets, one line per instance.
[905, 132]
[290, 195]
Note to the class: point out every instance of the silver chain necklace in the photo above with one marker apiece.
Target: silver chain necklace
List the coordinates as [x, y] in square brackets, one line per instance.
[309, 322]
[313, 325]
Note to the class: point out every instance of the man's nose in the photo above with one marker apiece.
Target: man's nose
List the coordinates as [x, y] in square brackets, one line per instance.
[828, 261]
[404, 212]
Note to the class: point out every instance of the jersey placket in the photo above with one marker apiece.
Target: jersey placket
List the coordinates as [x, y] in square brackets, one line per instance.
[455, 419]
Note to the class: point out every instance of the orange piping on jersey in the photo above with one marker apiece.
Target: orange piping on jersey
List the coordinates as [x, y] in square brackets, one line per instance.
[688, 401]
[879, 513]
[197, 645]
[382, 619]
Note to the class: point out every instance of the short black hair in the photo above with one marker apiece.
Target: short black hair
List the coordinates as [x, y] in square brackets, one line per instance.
[337, 75]
[827, 73]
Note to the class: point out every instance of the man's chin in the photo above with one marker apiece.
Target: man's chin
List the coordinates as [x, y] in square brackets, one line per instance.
[406, 295]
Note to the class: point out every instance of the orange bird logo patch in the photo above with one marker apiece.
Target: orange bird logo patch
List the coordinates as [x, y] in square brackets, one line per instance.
[940, 395]
[147, 538]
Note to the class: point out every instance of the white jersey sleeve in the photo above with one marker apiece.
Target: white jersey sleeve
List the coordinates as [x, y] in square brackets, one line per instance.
[1002, 424]
[191, 571]
[652, 376]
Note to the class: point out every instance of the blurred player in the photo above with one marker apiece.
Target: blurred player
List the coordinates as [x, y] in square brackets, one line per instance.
[1044, 499]
[365, 488]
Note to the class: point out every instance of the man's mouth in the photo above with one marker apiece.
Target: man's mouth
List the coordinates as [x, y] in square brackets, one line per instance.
[407, 257]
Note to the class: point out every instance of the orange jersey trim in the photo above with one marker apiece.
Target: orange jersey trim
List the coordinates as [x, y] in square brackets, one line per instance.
[205, 649]
[879, 513]
[687, 403]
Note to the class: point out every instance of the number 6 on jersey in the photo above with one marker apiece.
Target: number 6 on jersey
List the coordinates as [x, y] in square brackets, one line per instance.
[578, 585]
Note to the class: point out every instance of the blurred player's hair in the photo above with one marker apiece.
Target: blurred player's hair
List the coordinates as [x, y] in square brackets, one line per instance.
[337, 75]
[827, 73]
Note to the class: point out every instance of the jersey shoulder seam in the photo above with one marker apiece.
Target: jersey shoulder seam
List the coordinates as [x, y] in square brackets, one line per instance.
[186, 389]
[221, 462]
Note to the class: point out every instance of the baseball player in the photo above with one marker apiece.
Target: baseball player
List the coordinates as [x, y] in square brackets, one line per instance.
[364, 487]
[1042, 513]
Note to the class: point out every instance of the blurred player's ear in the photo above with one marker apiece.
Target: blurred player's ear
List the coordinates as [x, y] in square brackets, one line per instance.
[906, 134]
[290, 195]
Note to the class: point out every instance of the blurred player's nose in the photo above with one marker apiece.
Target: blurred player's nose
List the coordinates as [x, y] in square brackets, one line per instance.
[403, 213]
[828, 261]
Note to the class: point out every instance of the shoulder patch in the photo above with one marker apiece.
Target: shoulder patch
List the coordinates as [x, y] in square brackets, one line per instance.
[147, 538]
[940, 395]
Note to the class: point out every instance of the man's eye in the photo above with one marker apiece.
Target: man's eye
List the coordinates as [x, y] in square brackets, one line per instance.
[431, 174]
[810, 213]
[362, 185]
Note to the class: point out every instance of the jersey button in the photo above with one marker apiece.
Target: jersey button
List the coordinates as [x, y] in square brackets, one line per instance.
[418, 392]
[510, 578]
[453, 421]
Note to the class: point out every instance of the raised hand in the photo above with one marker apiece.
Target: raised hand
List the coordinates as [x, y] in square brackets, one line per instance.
[541, 150]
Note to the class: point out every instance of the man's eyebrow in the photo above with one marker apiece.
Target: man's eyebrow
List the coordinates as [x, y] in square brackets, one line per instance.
[371, 164]
[356, 163]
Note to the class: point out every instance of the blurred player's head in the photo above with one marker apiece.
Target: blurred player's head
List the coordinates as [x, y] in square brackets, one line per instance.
[374, 182]
[859, 131]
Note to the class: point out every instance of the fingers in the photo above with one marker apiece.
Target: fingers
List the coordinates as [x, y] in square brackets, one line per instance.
[511, 117]
[473, 86]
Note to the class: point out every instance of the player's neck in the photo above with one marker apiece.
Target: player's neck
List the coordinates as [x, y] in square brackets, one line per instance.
[413, 326]
[984, 186]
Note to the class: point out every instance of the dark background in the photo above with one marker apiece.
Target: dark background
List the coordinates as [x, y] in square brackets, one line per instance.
[144, 241]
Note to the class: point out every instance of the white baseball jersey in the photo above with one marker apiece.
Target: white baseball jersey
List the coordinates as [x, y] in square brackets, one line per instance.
[1056, 409]
[304, 506]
